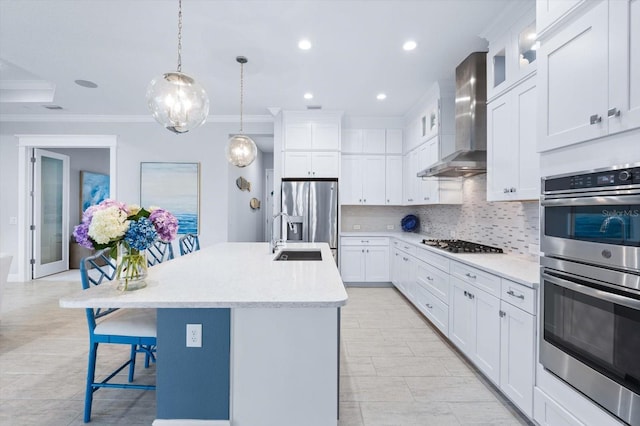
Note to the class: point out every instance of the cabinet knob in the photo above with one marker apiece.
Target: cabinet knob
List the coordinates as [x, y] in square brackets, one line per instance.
[308, 173]
[314, 173]
[595, 119]
[388, 201]
[363, 250]
[613, 112]
[359, 200]
[365, 200]
[502, 314]
[512, 189]
[367, 250]
[505, 190]
[471, 296]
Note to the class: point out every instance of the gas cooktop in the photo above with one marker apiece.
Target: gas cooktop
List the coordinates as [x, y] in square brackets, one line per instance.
[461, 246]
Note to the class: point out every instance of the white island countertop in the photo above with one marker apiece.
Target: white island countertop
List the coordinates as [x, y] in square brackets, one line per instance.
[228, 275]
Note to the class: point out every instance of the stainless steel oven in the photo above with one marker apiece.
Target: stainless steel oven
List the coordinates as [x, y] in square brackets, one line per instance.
[590, 285]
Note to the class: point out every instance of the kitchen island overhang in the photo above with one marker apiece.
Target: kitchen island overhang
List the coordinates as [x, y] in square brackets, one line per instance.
[270, 334]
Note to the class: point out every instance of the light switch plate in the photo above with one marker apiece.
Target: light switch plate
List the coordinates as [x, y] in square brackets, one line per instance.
[390, 227]
[356, 227]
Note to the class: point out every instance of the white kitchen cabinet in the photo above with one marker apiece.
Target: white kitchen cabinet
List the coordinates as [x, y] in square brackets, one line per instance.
[363, 179]
[547, 412]
[517, 360]
[393, 141]
[404, 272]
[513, 165]
[393, 180]
[365, 141]
[474, 326]
[584, 97]
[549, 12]
[352, 141]
[512, 53]
[432, 290]
[311, 131]
[409, 181]
[311, 135]
[364, 259]
[304, 164]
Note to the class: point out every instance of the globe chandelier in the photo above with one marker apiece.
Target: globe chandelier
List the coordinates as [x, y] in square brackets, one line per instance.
[175, 99]
[241, 149]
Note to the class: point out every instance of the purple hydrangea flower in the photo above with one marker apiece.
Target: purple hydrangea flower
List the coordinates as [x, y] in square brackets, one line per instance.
[165, 223]
[81, 234]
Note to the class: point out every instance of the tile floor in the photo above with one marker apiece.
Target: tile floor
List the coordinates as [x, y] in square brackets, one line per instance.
[395, 370]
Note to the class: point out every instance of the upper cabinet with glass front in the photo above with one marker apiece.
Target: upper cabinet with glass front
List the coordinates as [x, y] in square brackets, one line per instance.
[512, 53]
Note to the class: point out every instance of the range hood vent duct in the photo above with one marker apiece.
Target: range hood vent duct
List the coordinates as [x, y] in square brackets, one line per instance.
[470, 155]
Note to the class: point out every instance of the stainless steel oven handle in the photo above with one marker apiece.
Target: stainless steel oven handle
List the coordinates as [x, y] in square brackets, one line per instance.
[592, 201]
[599, 294]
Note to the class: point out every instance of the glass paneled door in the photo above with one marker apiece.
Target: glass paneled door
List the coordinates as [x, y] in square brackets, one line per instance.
[50, 219]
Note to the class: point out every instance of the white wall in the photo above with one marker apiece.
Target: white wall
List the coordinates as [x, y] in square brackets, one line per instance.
[246, 224]
[137, 142]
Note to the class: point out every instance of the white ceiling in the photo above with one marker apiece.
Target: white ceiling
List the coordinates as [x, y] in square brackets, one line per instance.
[121, 45]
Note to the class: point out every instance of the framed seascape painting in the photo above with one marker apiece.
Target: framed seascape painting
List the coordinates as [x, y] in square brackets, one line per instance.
[94, 187]
[174, 187]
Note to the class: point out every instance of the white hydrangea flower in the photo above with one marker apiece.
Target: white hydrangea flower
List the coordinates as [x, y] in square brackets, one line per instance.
[108, 224]
[133, 209]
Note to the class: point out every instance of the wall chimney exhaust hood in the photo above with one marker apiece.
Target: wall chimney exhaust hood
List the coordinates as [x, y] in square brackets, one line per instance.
[470, 155]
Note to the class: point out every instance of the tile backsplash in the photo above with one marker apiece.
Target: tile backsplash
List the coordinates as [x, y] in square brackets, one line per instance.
[512, 226]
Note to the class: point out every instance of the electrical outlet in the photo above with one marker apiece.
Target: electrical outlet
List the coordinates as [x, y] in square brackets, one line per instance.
[194, 335]
[390, 227]
[356, 227]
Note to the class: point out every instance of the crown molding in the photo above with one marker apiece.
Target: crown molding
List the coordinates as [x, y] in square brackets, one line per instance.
[85, 118]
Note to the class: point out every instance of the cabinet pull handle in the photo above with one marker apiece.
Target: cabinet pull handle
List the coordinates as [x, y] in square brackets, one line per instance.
[363, 250]
[388, 201]
[513, 293]
[429, 306]
[364, 241]
[367, 250]
[466, 294]
[365, 200]
[613, 112]
[595, 119]
[502, 314]
[471, 296]
[314, 173]
[473, 277]
[359, 200]
[512, 189]
[405, 259]
[505, 190]
[308, 173]
[429, 278]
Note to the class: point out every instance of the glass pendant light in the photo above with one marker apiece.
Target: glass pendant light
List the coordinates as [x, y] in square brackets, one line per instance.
[241, 149]
[175, 99]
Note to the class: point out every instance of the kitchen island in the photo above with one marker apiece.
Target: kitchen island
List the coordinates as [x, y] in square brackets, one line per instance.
[270, 334]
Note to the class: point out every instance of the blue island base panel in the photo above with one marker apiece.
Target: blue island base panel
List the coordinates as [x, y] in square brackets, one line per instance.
[193, 383]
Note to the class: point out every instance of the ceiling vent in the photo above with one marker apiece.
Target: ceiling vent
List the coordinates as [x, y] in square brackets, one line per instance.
[314, 106]
[57, 107]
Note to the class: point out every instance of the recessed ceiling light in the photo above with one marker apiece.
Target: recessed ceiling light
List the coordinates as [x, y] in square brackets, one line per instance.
[381, 96]
[308, 95]
[86, 83]
[409, 45]
[304, 44]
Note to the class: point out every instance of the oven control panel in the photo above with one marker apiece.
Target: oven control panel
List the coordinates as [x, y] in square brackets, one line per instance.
[618, 177]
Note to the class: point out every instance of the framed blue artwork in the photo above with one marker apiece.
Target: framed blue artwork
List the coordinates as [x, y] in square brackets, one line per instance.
[94, 187]
[174, 187]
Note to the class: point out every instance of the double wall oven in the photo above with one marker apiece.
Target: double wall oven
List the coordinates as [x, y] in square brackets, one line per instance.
[590, 285]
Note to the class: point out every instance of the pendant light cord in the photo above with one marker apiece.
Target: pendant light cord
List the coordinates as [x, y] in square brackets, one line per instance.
[179, 35]
[241, 92]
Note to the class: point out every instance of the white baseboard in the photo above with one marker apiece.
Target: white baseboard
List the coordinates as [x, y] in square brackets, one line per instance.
[187, 422]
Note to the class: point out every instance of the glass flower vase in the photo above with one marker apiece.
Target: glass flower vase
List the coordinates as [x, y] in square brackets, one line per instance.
[131, 268]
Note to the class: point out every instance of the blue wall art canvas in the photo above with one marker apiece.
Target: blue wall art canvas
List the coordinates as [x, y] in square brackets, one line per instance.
[94, 187]
[174, 187]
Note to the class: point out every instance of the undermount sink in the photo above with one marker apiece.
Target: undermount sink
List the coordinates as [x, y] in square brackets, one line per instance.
[299, 255]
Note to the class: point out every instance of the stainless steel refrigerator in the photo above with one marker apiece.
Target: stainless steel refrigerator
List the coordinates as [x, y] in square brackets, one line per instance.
[312, 207]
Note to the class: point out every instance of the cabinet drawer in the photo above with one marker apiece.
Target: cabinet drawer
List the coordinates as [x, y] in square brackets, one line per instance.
[434, 280]
[434, 259]
[364, 241]
[433, 308]
[519, 296]
[405, 247]
[483, 280]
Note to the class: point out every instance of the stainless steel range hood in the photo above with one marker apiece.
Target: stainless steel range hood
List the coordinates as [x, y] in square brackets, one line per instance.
[470, 155]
